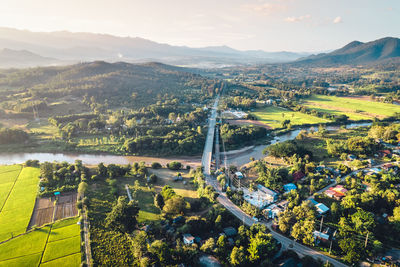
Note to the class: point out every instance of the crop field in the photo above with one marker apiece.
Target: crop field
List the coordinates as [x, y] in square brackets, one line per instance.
[18, 206]
[356, 109]
[274, 116]
[51, 245]
[8, 176]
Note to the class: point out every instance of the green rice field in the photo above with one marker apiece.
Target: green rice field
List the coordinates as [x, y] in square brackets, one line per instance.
[355, 109]
[274, 116]
[18, 199]
[51, 245]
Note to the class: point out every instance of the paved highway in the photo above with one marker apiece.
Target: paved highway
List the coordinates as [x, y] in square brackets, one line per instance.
[229, 205]
[208, 147]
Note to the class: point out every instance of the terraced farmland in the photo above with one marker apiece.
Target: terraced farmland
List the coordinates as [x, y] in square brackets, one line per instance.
[52, 245]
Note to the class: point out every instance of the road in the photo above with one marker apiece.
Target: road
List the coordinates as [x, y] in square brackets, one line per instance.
[88, 250]
[229, 205]
[208, 147]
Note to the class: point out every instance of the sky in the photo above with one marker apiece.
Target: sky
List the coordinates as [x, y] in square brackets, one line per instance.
[270, 25]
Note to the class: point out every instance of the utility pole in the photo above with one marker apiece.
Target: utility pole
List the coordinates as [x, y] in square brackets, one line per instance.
[330, 247]
[366, 240]
[322, 221]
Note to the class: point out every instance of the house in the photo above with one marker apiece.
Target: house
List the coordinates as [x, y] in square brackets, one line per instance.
[321, 208]
[351, 157]
[385, 153]
[272, 195]
[188, 239]
[239, 175]
[272, 211]
[298, 175]
[336, 192]
[261, 197]
[321, 236]
[289, 187]
[230, 231]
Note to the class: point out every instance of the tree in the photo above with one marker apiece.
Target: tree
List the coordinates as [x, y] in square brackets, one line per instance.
[102, 170]
[222, 245]
[82, 188]
[167, 192]
[175, 205]
[159, 201]
[208, 246]
[123, 215]
[156, 165]
[352, 249]
[161, 251]
[261, 246]
[238, 256]
[139, 244]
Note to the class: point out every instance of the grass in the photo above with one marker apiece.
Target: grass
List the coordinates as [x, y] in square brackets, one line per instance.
[274, 116]
[356, 109]
[17, 210]
[59, 244]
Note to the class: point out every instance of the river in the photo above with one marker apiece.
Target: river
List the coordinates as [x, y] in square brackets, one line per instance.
[238, 159]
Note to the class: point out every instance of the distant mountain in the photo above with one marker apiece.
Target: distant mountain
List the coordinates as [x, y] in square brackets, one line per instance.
[78, 47]
[385, 49]
[22, 58]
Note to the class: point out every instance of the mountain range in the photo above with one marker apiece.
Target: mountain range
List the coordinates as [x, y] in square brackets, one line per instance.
[356, 53]
[76, 47]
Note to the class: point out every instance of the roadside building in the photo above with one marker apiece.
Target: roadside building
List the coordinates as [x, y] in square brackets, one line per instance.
[261, 197]
[239, 175]
[188, 239]
[272, 211]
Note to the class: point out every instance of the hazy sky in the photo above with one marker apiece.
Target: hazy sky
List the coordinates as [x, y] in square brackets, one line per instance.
[272, 25]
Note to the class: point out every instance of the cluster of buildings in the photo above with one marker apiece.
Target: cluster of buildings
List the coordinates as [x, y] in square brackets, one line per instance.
[336, 192]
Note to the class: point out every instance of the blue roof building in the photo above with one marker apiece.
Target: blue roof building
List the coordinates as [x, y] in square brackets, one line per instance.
[289, 187]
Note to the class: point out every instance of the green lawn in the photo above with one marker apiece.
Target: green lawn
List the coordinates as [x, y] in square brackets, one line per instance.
[356, 109]
[59, 246]
[274, 116]
[17, 210]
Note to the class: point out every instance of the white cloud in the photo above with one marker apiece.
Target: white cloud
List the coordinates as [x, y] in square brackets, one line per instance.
[338, 20]
[297, 19]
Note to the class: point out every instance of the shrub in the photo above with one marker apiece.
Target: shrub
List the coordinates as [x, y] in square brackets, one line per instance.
[174, 165]
[156, 165]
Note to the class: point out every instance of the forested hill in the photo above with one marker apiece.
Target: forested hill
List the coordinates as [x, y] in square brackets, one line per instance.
[120, 84]
[359, 53]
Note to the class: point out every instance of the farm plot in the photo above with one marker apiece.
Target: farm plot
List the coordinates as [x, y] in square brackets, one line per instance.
[17, 209]
[43, 212]
[356, 109]
[55, 245]
[66, 206]
[8, 176]
[274, 116]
